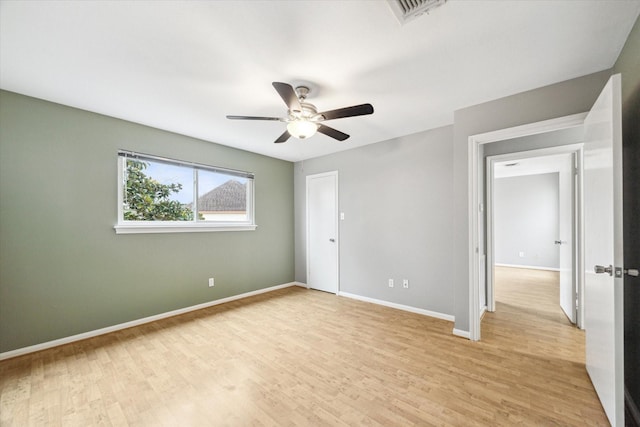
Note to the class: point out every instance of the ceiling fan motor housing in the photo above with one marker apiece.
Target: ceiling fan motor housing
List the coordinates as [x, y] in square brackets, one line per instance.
[309, 112]
[302, 92]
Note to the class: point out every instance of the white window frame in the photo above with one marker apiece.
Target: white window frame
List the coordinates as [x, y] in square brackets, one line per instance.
[140, 227]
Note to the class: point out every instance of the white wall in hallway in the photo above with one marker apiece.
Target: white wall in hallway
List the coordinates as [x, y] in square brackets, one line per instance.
[526, 220]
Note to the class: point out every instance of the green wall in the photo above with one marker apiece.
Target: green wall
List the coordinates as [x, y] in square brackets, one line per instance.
[63, 269]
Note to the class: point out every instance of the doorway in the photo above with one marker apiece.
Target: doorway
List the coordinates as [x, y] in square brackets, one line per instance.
[601, 230]
[534, 220]
[322, 232]
[476, 151]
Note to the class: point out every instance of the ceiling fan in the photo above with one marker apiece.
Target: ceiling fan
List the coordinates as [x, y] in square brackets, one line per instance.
[303, 119]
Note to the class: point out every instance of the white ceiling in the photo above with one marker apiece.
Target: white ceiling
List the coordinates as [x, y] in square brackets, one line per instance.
[183, 65]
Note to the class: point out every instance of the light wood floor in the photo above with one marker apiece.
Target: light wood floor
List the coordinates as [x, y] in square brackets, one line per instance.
[300, 357]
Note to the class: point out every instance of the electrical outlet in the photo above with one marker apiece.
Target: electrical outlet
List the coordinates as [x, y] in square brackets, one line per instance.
[211, 282]
[405, 283]
[391, 283]
[521, 254]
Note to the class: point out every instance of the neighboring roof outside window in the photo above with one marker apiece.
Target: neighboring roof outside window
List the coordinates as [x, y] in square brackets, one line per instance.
[228, 197]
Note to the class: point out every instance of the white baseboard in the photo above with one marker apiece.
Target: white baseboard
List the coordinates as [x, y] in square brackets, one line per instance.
[102, 331]
[461, 333]
[399, 306]
[483, 310]
[529, 267]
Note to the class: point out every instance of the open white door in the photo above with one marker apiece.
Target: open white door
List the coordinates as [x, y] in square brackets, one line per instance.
[322, 232]
[565, 241]
[604, 251]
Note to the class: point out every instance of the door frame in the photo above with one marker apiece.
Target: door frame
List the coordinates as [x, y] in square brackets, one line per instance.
[337, 227]
[577, 250]
[475, 175]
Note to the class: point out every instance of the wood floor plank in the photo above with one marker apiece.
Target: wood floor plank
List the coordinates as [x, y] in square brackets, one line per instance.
[299, 357]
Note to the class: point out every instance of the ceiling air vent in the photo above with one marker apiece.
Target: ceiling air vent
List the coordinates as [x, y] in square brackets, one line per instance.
[406, 10]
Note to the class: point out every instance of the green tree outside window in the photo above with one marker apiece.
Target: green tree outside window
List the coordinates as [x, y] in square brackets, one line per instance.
[148, 200]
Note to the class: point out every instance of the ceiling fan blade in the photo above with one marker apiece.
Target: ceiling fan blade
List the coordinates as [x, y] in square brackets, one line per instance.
[356, 110]
[288, 95]
[333, 133]
[283, 138]
[254, 118]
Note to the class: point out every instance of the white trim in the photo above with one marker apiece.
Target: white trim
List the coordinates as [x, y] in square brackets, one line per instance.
[578, 241]
[474, 250]
[489, 193]
[474, 141]
[85, 335]
[489, 263]
[531, 129]
[528, 267]
[461, 333]
[187, 227]
[539, 152]
[483, 310]
[399, 306]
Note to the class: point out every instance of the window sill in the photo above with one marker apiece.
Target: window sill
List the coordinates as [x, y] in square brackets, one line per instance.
[182, 228]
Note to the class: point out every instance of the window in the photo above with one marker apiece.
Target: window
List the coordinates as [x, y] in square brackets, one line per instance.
[158, 195]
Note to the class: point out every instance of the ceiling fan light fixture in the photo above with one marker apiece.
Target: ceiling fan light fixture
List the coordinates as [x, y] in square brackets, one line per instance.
[303, 119]
[302, 129]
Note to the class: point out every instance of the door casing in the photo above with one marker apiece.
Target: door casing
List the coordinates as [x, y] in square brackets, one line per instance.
[577, 220]
[475, 180]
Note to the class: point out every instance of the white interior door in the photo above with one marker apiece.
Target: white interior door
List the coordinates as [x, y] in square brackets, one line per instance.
[603, 247]
[322, 232]
[565, 237]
